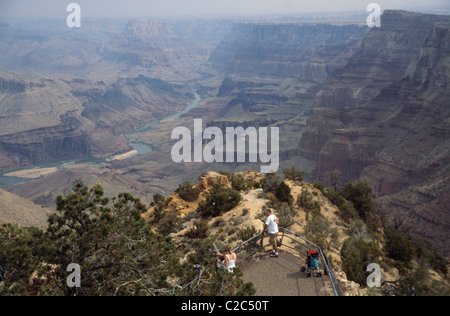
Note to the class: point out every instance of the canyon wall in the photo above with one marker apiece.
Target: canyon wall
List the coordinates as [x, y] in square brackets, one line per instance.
[271, 71]
[384, 118]
[367, 104]
[307, 52]
[46, 120]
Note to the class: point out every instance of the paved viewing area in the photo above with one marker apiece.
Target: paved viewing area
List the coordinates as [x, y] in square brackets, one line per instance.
[281, 276]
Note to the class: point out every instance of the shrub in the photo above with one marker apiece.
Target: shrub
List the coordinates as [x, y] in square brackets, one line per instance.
[360, 195]
[220, 201]
[356, 255]
[335, 197]
[305, 201]
[318, 230]
[427, 254]
[346, 210]
[271, 183]
[19, 258]
[319, 186]
[212, 283]
[398, 246]
[239, 183]
[247, 233]
[118, 252]
[169, 223]
[188, 191]
[110, 241]
[294, 174]
[439, 263]
[160, 203]
[283, 194]
[286, 215]
[200, 230]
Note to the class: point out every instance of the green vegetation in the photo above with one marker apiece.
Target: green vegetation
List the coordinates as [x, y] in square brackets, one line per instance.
[188, 191]
[295, 175]
[360, 194]
[240, 183]
[247, 233]
[200, 230]
[357, 254]
[372, 240]
[166, 222]
[369, 239]
[306, 202]
[398, 246]
[286, 215]
[221, 200]
[118, 252]
[280, 198]
[271, 182]
[283, 194]
[274, 184]
[213, 283]
[122, 254]
[109, 240]
[319, 231]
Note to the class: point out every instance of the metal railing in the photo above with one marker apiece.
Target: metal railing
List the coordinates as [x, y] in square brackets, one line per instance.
[251, 244]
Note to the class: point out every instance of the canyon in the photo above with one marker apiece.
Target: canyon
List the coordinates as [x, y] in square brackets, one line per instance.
[383, 118]
[359, 103]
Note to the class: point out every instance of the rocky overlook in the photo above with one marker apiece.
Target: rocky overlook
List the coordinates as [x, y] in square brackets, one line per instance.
[246, 219]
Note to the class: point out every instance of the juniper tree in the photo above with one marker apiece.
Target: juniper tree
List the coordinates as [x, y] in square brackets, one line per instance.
[118, 253]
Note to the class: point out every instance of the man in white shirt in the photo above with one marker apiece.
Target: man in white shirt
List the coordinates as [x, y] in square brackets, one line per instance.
[272, 228]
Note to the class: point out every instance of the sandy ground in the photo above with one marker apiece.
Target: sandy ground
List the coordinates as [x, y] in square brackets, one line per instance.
[124, 156]
[32, 173]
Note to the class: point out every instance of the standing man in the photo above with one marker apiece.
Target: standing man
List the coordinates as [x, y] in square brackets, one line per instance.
[272, 228]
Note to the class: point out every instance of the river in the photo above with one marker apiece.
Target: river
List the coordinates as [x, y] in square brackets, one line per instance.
[141, 148]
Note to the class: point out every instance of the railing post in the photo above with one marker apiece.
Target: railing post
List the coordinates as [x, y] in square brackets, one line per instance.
[282, 237]
[214, 249]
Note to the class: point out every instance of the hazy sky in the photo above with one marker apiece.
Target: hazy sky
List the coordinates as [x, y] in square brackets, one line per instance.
[149, 8]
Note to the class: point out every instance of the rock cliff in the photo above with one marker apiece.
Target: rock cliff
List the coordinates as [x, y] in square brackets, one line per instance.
[45, 145]
[384, 118]
[151, 44]
[385, 55]
[272, 70]
[45, 120]
[307, 52]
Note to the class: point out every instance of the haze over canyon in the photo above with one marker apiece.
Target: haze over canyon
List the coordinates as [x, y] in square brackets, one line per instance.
[350, 102]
